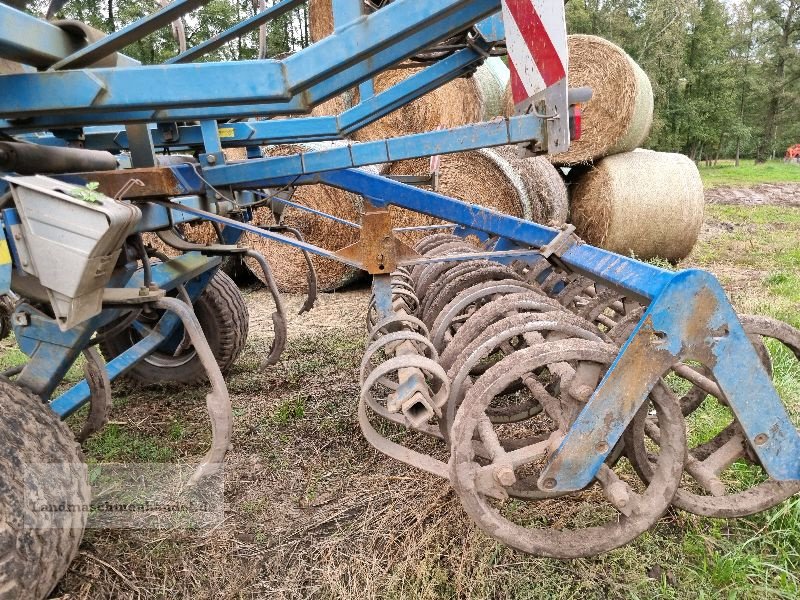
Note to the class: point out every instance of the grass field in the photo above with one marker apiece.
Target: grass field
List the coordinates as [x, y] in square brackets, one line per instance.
[725, 173]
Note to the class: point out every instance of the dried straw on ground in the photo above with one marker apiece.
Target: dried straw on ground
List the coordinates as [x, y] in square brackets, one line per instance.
[619, 116]
[288, 264]
[645, 203]
[494, 178]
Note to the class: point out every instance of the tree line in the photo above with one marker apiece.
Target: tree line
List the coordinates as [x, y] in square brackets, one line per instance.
[725, 73]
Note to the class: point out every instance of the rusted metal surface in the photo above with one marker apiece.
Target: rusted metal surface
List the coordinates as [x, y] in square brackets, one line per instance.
[635, 512]
[377, 251]
[157, 182]
[218, 401]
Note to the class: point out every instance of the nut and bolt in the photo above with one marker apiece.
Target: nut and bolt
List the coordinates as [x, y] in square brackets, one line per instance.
[153, 287]
[21, 319]
[505, 476]
[761, 439]
[143, 291]
[211, 159]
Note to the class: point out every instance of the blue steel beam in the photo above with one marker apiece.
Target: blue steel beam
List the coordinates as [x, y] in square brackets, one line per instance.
[637, 279]
[361, 50]
[274, 11]
[252, 172]
[691, 320]
[275, 131]
[32, 41]
[79, 394]
[128, 34]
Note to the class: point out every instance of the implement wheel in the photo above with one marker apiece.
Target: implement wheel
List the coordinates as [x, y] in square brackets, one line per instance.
[40, 467]
[224, 318]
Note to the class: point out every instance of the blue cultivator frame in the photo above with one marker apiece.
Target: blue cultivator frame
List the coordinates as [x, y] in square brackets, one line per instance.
[70, 101]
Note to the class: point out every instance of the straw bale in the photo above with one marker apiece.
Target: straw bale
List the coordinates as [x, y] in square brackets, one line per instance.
[619, 116]
[288, 264]
[494, 178]
[451, 105]
[320, 19]
[491, 78]
[649, 204]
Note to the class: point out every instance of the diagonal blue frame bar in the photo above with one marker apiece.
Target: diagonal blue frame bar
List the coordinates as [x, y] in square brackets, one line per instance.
[344, 59]
[128, 34]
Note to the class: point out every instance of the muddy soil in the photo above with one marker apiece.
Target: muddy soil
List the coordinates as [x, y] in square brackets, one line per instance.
[779, 194]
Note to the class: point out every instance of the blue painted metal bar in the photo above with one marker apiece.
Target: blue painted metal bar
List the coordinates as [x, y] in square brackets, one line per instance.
[637, 279]
[294, 130]
[5, 263]
[345, 12]
[459, 139]
[32, 41]
[691, 320]
[249, 24]
[128, 34]
[344, 59]
[72, 400]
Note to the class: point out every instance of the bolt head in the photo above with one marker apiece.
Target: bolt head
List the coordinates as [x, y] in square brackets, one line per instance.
[505, 476]
[601, 448]
[761, 439]
[211, 159]
[549, 484]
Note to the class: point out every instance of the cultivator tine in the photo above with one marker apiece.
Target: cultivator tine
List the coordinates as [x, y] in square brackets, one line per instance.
[278, 317]
[311, 277]
[100, 393]
[218, 401]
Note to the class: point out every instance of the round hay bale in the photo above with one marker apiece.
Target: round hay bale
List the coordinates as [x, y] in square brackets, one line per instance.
[320, 19]
[453, 104]
[649, 204]
[619, 115]
[331, 107]
[494, 178]
[197, 233]
[288, 264]
[491, 78]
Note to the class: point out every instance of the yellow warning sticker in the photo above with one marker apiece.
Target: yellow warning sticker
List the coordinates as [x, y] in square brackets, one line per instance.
[5, 256]
[227, 132]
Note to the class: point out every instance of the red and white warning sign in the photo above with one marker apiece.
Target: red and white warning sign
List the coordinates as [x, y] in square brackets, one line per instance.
[536, 40]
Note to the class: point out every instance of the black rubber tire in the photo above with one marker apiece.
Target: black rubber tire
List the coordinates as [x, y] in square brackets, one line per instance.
[224, 318]
[34, 551]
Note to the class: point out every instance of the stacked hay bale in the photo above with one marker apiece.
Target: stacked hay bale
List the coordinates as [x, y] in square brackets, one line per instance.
[649, 204]
[619, 115]
[289, 264]
[492, 78]
[495, 178]
[456, 103]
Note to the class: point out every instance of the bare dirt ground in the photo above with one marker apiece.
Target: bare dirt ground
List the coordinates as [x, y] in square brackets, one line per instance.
[776, 194]
[312, 511]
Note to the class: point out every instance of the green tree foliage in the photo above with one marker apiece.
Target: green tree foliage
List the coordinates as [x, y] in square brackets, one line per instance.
[725, 72]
